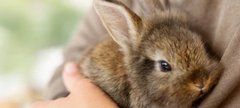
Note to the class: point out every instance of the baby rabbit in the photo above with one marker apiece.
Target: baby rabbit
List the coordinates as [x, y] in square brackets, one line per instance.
[149, 62]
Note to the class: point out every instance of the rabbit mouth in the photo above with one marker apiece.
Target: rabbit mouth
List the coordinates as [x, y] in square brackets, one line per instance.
[198, 100]
[201, 96]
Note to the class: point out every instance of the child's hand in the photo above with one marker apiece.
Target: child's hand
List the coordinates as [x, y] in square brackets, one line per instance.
[83, 93]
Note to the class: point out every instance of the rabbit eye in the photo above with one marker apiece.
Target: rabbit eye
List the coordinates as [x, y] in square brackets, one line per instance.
[164, 66]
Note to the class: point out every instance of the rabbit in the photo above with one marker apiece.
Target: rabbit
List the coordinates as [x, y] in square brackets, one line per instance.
[154, 61]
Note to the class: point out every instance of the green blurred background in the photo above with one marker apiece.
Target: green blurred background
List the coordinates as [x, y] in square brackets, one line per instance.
[28, 27]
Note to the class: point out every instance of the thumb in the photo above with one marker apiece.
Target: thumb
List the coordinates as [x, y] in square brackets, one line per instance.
[71, 75]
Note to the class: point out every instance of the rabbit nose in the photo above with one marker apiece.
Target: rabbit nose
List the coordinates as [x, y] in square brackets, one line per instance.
[200, 86]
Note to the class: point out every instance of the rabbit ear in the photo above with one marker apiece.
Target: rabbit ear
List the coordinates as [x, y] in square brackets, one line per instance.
[121, 23]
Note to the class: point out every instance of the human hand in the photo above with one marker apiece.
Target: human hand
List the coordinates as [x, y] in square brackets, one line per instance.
[83, 93]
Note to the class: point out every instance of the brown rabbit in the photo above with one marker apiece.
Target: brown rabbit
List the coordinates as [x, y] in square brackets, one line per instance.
[150, 62]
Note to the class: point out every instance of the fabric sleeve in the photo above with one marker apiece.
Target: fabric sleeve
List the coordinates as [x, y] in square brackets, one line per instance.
[91, 32]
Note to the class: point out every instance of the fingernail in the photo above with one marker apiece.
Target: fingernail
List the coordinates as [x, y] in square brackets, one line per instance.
[70, 68]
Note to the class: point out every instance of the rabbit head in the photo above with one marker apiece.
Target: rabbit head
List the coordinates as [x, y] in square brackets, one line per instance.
[167, 63]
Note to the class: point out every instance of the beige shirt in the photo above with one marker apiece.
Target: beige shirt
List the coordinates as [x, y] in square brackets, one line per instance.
[217, 20]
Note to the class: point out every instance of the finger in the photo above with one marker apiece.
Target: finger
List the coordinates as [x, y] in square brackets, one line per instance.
[45, 104]
[58, 103]
[71, 76]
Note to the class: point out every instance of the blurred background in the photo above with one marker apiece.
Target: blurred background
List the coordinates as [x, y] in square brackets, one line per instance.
[32, 36]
